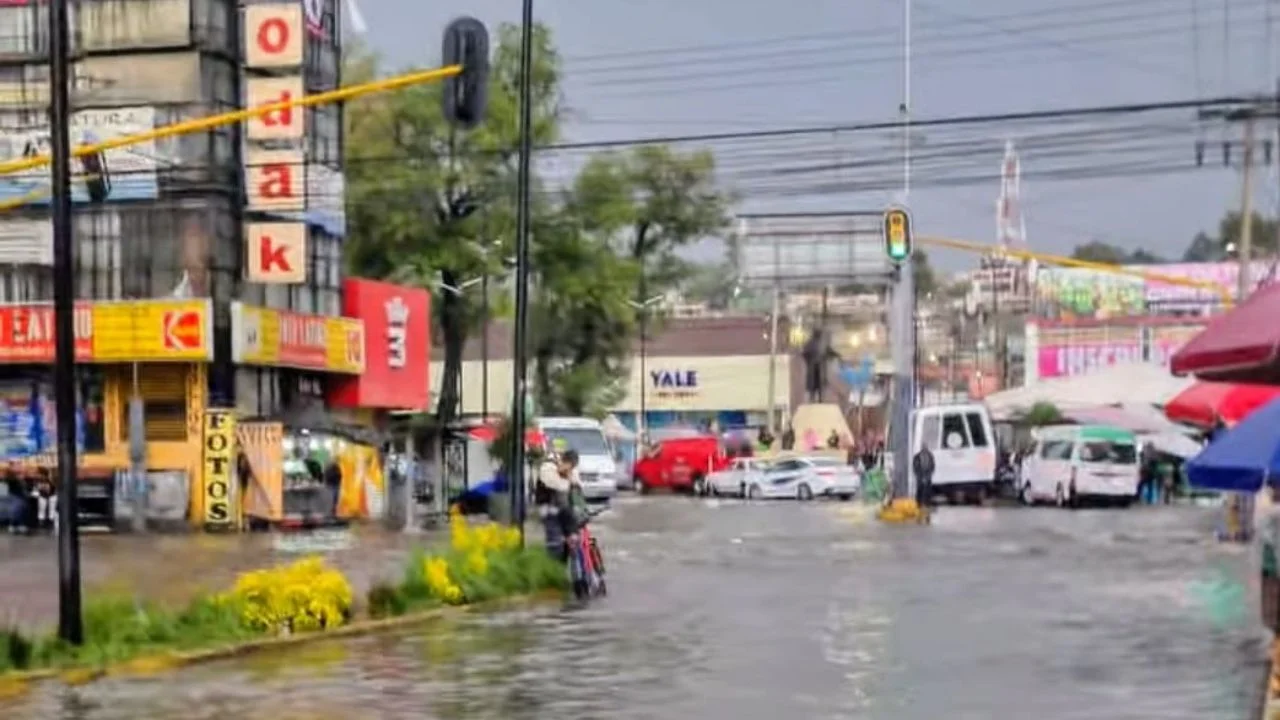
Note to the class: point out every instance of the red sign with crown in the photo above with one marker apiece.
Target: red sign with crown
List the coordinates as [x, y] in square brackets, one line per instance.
[397, 346]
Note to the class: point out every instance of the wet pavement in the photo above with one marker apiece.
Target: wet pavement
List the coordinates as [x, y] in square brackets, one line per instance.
[730, 610]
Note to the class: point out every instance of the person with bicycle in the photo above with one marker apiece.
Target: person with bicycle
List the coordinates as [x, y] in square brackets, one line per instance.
[561, 504]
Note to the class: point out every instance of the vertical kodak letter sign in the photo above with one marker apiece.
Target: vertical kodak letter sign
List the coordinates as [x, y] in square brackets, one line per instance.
[897, 234]
[275, 252]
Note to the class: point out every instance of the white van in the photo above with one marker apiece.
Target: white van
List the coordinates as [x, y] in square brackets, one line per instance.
[1076, 463]
[596, 465]
[963, 444]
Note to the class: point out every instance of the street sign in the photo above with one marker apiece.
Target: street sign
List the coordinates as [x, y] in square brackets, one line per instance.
[897, 234]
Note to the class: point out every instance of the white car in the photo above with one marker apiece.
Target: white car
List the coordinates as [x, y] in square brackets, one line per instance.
[734, 480]
[806, 478]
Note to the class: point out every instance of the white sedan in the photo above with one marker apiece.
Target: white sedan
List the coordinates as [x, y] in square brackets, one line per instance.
[734, 480]
[806, 478]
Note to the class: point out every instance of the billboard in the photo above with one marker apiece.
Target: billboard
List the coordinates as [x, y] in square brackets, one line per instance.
[1163, 296]
[1078, 293]
[130, 171]
[808, 249]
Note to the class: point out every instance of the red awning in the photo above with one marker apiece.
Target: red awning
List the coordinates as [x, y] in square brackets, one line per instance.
[489, 433]
[1204, 403]
[1240, 346]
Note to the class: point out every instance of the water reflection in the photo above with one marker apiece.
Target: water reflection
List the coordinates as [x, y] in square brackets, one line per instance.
[746, 612]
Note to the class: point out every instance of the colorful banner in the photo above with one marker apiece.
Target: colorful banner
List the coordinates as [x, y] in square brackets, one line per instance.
[279, 338]
[1071, 351]
[1163, 342]
[219, 467]
[111, 332]
[130, 172]
[1165, 296]
[1077, 293]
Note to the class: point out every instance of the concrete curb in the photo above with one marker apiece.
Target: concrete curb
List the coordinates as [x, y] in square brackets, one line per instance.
[16, 683]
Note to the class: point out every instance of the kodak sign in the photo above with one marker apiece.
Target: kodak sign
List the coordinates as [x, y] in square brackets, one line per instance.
[275, 161]
[275, 252]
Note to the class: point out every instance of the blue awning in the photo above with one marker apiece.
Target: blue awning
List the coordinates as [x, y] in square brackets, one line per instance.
[1242, 458]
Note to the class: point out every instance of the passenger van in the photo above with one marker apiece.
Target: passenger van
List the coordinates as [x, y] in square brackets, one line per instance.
[963, 444]
[597, 467]
[1072, 464]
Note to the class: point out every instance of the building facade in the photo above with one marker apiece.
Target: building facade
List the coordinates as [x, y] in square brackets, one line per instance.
[210, 277]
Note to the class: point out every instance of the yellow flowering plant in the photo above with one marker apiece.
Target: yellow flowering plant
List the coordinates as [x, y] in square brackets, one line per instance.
[305, 596]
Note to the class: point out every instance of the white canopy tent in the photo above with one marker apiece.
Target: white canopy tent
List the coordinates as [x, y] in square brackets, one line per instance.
[1129, 384]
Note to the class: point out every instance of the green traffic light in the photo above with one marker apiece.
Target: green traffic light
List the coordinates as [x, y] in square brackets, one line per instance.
[897, 235]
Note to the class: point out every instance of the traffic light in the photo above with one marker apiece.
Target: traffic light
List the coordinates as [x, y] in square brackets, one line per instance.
[897, 234]
[466, 43]
[97, 181]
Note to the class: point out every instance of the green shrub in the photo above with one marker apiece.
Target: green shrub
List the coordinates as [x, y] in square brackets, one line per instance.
[386, 600]
[15, 650]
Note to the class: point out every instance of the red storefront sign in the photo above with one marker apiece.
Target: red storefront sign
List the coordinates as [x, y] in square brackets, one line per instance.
[397, 337]
[26, 333]
[304, 340]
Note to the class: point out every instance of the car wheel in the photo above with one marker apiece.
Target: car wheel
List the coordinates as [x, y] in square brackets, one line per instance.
[804, 492]
[846, 497]
[1059, 496]
[642, 487]
[1025, 496]
[754, 492]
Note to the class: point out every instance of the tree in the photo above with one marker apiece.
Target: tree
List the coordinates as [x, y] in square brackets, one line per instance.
[1102, 252]
[433, 207]
[1207, 248]
[925, 278]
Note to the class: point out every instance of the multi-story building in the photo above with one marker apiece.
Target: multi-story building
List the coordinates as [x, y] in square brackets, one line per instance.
[210, 277]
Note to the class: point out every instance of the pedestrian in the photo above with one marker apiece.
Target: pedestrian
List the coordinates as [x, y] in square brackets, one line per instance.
[764, 439]
[833, 440]
[788, 438]
[333, 482]
[923, 465]
[551, 496]
[46, 497]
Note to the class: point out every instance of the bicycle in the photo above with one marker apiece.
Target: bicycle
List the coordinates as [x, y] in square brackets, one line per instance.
[586, 564]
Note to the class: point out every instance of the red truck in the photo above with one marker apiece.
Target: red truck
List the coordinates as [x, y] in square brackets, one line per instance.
[680, 464]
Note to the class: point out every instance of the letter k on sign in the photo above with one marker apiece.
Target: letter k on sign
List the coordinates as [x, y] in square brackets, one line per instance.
[276, 252]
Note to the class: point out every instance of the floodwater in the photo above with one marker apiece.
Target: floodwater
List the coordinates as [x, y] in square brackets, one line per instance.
[787, 610]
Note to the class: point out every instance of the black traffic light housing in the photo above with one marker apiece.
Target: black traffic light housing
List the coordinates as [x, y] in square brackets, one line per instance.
[466, 43]
[97, 182]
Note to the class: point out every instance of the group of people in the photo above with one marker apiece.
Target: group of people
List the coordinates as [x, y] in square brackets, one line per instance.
[29, 505]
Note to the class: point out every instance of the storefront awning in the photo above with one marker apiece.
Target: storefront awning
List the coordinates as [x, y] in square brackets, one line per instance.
[1204, 403]
[1240, 346]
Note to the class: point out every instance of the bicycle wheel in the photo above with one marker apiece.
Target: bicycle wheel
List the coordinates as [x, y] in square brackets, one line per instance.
[597, 557]
[578, 577]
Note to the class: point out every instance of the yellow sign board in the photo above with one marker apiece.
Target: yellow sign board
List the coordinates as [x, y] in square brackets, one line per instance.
[152, 330]
[219, 467]
[279, 338]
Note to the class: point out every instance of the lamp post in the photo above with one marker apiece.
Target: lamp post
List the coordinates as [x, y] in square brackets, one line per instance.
[642, 307]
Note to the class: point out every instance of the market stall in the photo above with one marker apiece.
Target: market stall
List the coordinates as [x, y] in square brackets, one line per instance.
[1205, 404]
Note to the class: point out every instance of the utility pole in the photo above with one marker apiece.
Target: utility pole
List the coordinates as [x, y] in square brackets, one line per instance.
[772, 422]
[1245, 250]
[902, 308]
[70, 622]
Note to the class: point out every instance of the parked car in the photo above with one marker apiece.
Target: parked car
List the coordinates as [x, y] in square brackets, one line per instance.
[734, 480]
[806, 478]
[681, 464]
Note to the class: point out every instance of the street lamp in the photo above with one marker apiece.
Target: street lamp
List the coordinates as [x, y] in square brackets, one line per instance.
[642, 307]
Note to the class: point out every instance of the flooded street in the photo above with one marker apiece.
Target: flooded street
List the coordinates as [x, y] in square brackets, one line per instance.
[786, 610]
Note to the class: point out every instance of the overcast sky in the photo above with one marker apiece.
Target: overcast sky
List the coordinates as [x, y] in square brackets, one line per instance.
[642, 68]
